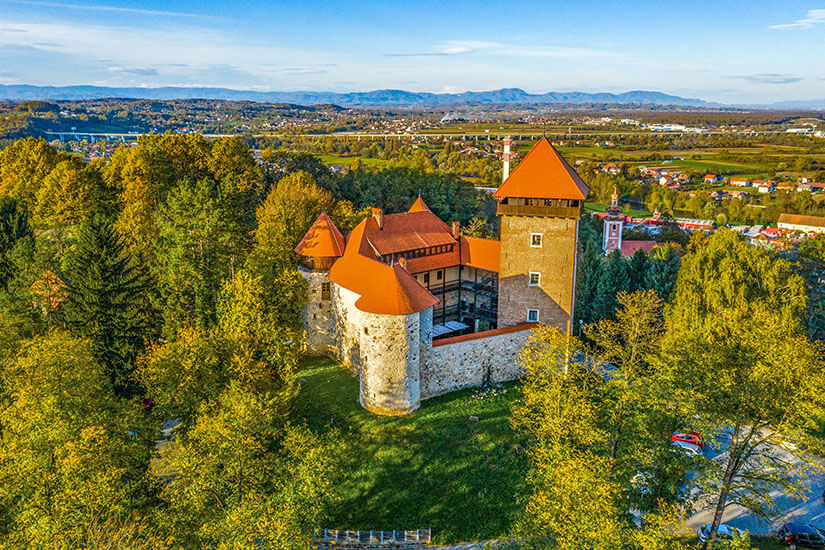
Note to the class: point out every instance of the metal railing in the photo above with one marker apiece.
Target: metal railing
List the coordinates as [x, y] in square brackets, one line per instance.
[372, 538]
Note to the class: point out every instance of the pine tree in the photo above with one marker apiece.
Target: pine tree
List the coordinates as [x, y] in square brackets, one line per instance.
[662, 270]
[13, 227]
[106, 295]
[613, 278]
[637, 270]
[590, 265]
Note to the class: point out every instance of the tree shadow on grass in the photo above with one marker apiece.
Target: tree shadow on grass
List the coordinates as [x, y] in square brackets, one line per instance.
[434, 469]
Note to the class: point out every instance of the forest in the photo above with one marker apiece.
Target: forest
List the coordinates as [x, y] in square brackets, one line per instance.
[151, 355]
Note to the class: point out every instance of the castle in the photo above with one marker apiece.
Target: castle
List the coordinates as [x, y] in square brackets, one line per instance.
[415, 310]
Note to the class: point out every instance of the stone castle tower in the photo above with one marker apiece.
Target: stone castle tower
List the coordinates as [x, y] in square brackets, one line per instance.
[540, 205]
[399, 300]
[612, 239]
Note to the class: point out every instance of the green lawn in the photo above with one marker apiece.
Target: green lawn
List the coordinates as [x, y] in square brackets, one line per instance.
[346, 161]
[433, 469]
[598, 207]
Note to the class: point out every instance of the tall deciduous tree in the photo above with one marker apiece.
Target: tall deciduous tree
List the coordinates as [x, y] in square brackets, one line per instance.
[73, 457]
[107, 301]
[197, 248]
[284, 218]
[64, 200]
[263, 319]
[183, 374]
[244, 479]
[743, 367]
[24, 166]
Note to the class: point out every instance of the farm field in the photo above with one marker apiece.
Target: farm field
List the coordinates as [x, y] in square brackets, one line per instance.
[346, 161]
[434, 469]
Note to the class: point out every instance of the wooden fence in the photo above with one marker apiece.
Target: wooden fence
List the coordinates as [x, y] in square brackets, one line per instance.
[372, 538]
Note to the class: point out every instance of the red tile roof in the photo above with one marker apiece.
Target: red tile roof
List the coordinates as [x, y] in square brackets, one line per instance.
[322, 239]
[543, 174]
[418, 206]
[407, 231]
[484, 334]
[630, 247]
[382, 288]
[480, 253]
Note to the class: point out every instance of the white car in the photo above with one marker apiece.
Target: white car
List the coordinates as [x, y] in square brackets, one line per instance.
[725, 532]
[687, 448]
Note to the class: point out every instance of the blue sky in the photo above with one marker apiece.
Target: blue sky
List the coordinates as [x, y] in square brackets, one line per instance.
[734, 51]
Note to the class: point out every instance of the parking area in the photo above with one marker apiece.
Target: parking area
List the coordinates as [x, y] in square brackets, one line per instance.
[809, 510]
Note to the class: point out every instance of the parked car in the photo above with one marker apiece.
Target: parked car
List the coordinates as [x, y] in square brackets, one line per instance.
[688, 448]
[801, 535]
[694, 438]
[724, 533]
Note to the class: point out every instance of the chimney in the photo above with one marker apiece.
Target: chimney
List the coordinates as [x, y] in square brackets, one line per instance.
[456, 226]
[506, 158]
[402, 261]
[379, 217]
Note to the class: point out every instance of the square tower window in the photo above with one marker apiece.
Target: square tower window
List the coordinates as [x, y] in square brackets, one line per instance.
[535, 279]
[325, 291]
[532, 316]
[535, 240]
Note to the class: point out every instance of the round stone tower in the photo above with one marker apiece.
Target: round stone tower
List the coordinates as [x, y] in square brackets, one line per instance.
[322, 245]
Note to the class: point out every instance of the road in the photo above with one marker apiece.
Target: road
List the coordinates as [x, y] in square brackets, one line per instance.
[810, 510]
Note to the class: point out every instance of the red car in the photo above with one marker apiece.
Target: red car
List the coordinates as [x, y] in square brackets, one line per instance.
[694, 438]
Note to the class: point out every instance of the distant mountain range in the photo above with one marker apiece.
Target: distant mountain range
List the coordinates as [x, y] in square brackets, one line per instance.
[377, 98]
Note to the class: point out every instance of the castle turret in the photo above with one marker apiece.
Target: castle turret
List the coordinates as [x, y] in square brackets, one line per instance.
[322, 245]
[613, 222]
[540, 205]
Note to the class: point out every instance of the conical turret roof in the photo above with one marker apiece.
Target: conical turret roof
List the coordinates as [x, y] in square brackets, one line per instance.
[543, 174]
[419, 206]
[322, 239]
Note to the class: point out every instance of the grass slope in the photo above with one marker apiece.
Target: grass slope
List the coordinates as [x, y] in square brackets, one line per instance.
[433, 469]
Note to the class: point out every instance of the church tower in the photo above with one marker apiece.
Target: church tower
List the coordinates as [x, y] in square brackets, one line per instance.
[613, 226]
[540, 205]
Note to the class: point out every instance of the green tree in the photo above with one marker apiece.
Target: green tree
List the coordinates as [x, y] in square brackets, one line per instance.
[182, 374]
[613, 278]
[570, 484]
[106, 301]
[284, 218]
[263, 320]
[244, 479]
[741, 366]
[662, 270]
[197, 247]
[64, 200]
[14, 226]
[24, 166]
[73, 456]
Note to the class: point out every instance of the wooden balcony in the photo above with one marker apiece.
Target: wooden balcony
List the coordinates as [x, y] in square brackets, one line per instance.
[539, 211]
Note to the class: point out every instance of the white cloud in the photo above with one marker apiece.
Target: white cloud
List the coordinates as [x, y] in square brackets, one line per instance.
[813, 17]
[177, 53]
[135, 11]
[456, 47]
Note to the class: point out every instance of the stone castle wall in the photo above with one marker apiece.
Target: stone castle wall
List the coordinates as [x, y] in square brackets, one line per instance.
[319, 316]
[393, 355]
[466, 361]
